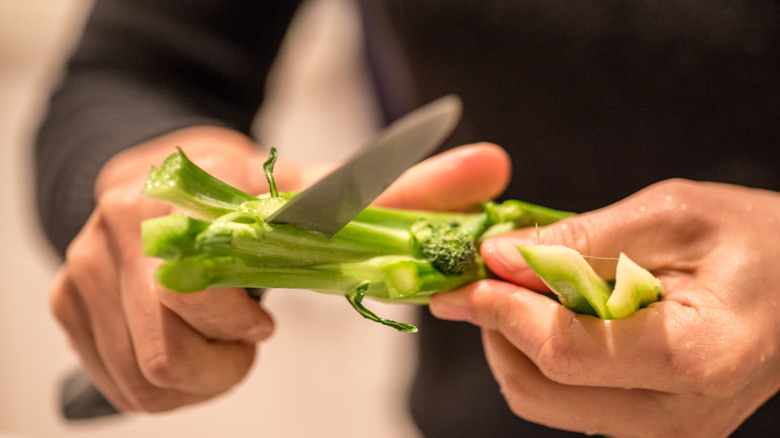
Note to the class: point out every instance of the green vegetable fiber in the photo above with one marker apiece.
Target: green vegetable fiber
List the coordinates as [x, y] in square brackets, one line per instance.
[570, 277]
[385, 254]
[635, 288]
[578, 287]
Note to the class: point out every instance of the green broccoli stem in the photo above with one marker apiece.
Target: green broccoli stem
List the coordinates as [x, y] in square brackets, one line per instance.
[386, 254]
[389, 277]
[240, 249]
[179, 182]
[202, 254]
[512, 214]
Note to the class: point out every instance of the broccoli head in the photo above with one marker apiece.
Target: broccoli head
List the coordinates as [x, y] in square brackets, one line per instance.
[447, 245]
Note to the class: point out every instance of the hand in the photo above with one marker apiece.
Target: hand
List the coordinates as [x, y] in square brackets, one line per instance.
[147, 348]
[150, 349]
[698, 363]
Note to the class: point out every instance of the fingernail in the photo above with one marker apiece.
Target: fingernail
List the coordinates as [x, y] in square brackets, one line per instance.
[450, 306]
[503, 250]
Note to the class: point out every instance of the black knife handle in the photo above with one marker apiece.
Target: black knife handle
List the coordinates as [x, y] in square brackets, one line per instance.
[81, 400]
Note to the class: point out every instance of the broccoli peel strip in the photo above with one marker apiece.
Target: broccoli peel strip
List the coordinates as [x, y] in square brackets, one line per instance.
[386, 254]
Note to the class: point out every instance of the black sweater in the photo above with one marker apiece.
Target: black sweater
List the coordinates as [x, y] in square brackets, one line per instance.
[593, 99]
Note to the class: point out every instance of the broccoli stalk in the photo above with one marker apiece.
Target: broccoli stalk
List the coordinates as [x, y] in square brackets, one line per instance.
[385, 254]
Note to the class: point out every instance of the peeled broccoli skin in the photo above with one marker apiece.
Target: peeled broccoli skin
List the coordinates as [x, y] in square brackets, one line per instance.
[448, 246]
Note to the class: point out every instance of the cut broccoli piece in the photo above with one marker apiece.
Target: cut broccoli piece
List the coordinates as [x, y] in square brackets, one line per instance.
[578, 287]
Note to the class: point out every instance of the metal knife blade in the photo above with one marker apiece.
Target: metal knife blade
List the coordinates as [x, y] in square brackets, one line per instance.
[328, 205]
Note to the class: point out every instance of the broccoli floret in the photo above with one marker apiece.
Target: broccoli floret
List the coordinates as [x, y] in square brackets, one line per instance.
[447, 245]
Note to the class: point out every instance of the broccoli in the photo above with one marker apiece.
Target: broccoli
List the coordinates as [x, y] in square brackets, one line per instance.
[446, 245]
[578, 287]
[386, 254]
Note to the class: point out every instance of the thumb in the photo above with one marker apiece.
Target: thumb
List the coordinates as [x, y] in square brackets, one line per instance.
[584, 233]
[454, 180]
[645, 226]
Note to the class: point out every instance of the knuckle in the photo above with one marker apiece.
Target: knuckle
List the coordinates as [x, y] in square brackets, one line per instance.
[115, 198]
[520, 403]
[118, 203]
[87, 250]
[122, 208]
[577, 235]
[79, 253]
[163, 369]
[206, 314]
[176, 370]
[59, 303]
[215, 327]
[679, 204]
[558, 361]
[676, 187]
[571, 233]
[66, 305]
[491, 307]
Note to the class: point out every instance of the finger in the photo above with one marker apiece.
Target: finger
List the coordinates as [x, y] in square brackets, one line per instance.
[593, 410]
[502, 257]
[659, 228]
[71, 313]
[227, 314]
[224, 314]
[454, 180]
[531, 395]
[95, 275]
[170, 353]
[578, 349]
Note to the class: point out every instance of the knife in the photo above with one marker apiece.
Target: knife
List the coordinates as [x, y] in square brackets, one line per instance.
[328, 205]
[325, 207]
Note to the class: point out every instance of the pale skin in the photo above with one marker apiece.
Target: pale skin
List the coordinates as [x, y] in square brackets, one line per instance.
[152, 350]
[696, 364]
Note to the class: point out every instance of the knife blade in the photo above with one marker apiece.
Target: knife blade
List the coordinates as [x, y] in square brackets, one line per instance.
[328, 205]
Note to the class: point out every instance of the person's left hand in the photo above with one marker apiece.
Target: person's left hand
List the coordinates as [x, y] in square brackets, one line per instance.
[698, 363]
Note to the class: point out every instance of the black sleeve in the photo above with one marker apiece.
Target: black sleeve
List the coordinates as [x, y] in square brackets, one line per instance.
[144, 68]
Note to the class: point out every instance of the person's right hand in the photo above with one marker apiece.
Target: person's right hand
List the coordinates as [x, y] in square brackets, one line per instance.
[150, 349]
[146, 348]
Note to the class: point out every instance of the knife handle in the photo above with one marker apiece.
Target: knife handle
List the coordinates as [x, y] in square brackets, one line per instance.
[81, 400]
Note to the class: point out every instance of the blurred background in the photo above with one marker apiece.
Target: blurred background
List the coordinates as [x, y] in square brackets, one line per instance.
[326, 372]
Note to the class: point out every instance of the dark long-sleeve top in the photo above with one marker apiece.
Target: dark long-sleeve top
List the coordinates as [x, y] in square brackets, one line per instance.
[593, 99]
